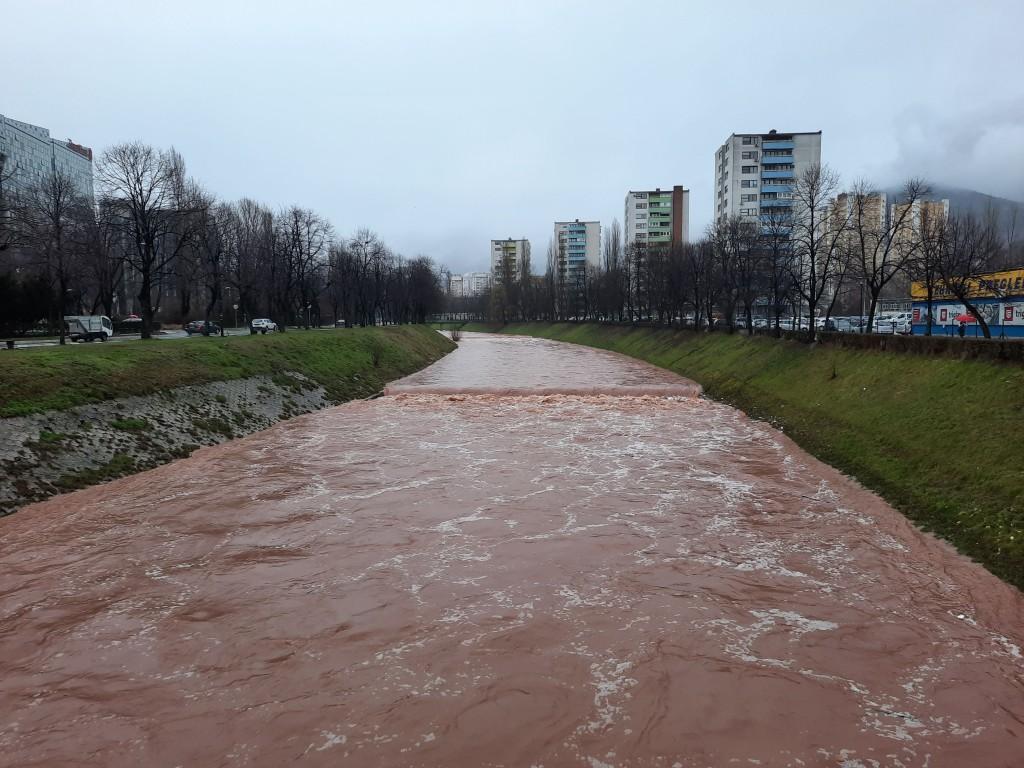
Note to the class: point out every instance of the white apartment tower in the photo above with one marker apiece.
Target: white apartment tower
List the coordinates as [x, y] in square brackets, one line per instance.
[579, 244]
[475, 283]
[456, 286]
[658, 218]
[507, 256]
[756, 173]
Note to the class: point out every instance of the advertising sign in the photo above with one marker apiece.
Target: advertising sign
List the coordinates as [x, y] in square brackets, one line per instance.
[1013, 314]
[991, 285]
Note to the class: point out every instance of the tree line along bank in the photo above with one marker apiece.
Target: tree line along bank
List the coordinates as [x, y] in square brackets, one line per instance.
[155, 243]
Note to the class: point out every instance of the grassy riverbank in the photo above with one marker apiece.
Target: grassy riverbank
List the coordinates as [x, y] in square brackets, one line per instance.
[348, 363]
[938, 438]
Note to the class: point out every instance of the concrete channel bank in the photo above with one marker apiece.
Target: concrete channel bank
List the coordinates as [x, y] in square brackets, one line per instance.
[74, 417]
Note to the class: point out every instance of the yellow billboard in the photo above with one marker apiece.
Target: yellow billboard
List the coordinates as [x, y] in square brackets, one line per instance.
[991, 285]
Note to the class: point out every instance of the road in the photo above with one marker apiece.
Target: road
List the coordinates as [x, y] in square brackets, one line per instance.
[29, 342]
[529, 553]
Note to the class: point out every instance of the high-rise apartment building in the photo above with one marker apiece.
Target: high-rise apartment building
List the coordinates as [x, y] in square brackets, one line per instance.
[923, 216]
[578, 244]
[756, 173]
[475, 283]
[456, 286]
[922, 213]
[656, 218]
[870, 209]
[28, 155]
[508, 256]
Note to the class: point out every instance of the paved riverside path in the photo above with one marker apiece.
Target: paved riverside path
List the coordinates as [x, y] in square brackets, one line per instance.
[528, 554]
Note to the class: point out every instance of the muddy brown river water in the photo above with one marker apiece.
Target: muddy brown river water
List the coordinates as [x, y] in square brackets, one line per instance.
[529, 554]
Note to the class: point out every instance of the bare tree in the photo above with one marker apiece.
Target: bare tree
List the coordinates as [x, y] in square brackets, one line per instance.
[882, 245]
[703, 280]
[524, 279]
[777, 260]
[927, 258]
[101, 259]
[47, 216]
[616, 278]
[735, 246]
[817, 241]
[156, 209]
[969, 247]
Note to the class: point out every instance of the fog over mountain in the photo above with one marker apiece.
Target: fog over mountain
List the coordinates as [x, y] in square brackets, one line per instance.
[443, 125]
[969, 201]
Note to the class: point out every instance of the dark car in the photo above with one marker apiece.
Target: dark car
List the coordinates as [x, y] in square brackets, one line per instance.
[205, 327]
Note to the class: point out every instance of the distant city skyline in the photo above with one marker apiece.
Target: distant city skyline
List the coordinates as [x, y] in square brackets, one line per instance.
[419, 132]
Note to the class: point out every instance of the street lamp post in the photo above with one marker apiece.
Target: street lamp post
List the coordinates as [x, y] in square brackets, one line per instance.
[235, 307]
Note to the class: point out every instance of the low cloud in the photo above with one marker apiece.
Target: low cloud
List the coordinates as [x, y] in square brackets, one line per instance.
[980, 149]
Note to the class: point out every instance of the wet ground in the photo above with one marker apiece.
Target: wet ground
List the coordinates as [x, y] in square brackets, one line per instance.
[528, 554]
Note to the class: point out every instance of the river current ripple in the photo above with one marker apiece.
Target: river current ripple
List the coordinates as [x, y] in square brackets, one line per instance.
[528, 554]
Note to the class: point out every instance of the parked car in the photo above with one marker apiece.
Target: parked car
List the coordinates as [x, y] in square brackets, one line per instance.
[204, 327]
[884, 326]
[262, 325]
[903, 322]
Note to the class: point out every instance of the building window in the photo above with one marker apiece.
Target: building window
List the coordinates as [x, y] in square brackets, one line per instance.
[748, 183]
[750, 141]
[750, 169]
[748, 198]
[751, 155]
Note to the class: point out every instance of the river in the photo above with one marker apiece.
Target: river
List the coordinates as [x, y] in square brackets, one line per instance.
[528, 554]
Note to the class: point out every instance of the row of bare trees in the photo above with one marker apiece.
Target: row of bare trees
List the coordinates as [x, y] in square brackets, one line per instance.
[156, 242]
[818, 250]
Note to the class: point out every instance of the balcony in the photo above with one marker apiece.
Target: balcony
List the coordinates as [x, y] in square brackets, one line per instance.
[777, 174]
[770, 160]
[786, 144]
[777, 186]
[783, 203]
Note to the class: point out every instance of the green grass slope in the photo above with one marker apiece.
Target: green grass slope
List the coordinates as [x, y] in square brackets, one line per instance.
[348, 363]
[940, 439]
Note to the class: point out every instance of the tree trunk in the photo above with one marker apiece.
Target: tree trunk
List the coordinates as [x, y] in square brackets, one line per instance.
[977, 316]
[871, 310]
[145, 306]
[60, 306]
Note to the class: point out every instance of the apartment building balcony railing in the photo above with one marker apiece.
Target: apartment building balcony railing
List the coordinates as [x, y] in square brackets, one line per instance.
[776, 159]
[777, 174]
[779, 144]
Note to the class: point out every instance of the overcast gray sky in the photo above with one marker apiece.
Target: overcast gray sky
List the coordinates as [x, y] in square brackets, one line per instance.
[443, 124]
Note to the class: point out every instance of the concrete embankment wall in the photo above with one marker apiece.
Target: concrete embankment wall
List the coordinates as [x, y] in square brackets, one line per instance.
[938, 437]
[78, 416]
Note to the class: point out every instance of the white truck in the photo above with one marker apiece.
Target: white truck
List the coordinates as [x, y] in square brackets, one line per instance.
[88, 327]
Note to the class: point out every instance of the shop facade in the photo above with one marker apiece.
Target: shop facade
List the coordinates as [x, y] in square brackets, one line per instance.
[998, 297]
